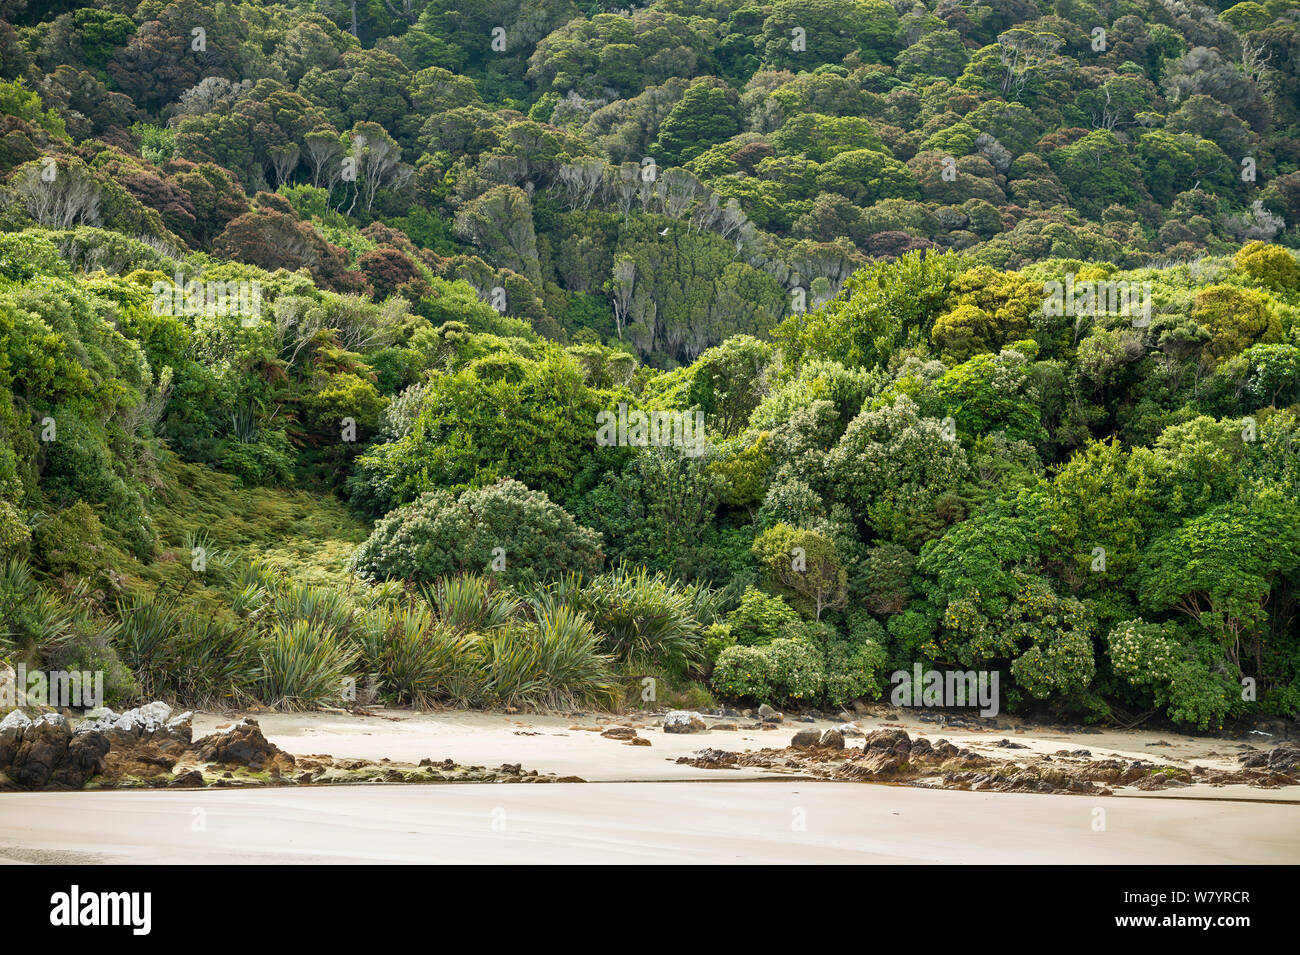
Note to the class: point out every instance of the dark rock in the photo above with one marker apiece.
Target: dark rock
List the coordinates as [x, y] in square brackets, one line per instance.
[682, 721]
[887, 740]
[84, 758]
[188, 780]
[832, 739]
[243, 744]
[1281, 759]
[40, 753]
[806, 739]
[12, 728]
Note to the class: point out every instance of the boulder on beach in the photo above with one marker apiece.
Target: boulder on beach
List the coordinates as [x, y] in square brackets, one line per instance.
[831, 739]
[684, 721]
[243, 744]
[806, 739]
[42, 752]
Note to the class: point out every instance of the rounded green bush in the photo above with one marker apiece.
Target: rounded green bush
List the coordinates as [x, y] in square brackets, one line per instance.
[743, 673]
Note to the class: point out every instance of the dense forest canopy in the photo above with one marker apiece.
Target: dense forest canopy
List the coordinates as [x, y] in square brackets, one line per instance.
[988, 313]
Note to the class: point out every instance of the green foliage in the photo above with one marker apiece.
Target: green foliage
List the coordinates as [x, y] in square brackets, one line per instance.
[529, 420]
[881, 308]
[828, 229]
[303, 666]
[177, 654]
[505, 528]
[743, 673]
[1180, 675]
[804, 567]
[642, 619]
[893, 467]
[785, 672]
[1236, 318]
[1269, 265]
[760, 618]
[70, 542]
[854, 670]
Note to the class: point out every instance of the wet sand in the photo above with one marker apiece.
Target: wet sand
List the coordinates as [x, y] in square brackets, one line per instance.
[643, 823]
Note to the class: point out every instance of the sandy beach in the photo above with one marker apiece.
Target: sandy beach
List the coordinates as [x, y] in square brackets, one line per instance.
[552, 744]
[640, 806]
[622, 823]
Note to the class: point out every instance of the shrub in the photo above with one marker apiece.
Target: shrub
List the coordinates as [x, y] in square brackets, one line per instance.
[743, 673]
[89, 648]
[553, 662]
[884, 578]
[32, 620]
[1269, 265]
[760, 618]
[642, 619]
[518, 533]
[213, 661]
[797, 671]
[468, 603]
[183, 654]
[1178, 673]
[783, 672]
[70, 542]
[323, 608]
[414, 655]
[717, 637]
[854, 671]
[303, 665]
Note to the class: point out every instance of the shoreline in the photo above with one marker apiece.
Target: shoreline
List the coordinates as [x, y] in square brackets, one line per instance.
[636, 823]
[637, 804]
[571, 745]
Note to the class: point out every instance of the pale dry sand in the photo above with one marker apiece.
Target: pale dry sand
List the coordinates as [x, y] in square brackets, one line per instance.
[489, 739]
[641, 807]
[549, 744]
[642, 823]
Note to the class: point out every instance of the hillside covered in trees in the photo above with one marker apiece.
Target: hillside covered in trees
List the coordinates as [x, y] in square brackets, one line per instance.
[506, 353]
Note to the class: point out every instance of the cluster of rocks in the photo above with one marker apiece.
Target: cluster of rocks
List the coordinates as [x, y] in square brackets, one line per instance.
[47, 751]
[150, 747]
[688, 721]
[683, 721]
[627, 734]
[891, 755]
[43, 752]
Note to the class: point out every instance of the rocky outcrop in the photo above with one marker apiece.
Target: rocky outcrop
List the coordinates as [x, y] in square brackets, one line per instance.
[892, 755]
[151, 747]
[683, 721]
[242, 744]
[1282, 759]
[806, 739]
[44, 752]
[831, 739]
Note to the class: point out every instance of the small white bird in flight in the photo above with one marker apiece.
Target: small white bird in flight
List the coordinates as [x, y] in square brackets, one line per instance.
[665, 232]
